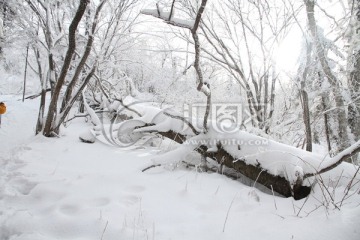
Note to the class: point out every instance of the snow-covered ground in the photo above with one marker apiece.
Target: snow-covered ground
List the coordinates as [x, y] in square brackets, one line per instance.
[61, 188]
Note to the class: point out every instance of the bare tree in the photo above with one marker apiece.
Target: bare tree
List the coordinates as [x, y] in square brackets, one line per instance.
[353, 33]
[202, 85]
[44, 28]
[241, 38]
[106, 35]
[328, 75]
[305, 98]
[51, 125]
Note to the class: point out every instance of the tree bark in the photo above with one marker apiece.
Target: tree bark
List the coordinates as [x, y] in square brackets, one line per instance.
[305, 100]
[326, 123]
[68, 106]
[306, 117]
[255, 173]
[354, 76]
[43, 82]
[334, 82]
[25, 72]
[40, 121]
[260, 175]
[52, 111]
[81, 65]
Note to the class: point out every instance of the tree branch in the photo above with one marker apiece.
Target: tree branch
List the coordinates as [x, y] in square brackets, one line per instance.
[172, 10]
[184, 120]
[37, 95]
[49, 127]
[338, 159]
[198, 16]
[172, 22]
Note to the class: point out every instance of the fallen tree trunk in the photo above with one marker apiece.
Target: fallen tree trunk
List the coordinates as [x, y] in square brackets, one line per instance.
[259, 175]
[278, 167]
[277, 183]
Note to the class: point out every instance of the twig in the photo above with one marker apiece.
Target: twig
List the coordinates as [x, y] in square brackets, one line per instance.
[293, 205]
[280, 216]
[349, 186]
[152, 166]
[272, 190]
[227, 214]
[307, 198]
[37, 95]
[316, 208]
[337, 183]
[328, 192]
[352, 194]
[76, 116]
[102, 235]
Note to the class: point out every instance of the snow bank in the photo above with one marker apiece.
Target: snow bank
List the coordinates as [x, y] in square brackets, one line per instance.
[61, 188]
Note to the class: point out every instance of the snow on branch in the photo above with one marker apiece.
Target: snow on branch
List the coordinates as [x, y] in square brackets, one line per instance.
[184, 120]
[331, 163]
[159, 13]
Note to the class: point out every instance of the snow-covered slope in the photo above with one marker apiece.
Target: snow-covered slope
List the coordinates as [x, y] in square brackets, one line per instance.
[65, 189]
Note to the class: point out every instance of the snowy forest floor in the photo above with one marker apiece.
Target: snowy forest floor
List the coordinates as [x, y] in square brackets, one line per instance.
[61, 188]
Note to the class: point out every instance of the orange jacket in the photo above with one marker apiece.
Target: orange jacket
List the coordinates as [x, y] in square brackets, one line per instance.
[2, 108]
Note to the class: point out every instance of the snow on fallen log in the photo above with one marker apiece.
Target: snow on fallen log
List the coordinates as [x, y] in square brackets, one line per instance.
[165, 16]
[277, 166]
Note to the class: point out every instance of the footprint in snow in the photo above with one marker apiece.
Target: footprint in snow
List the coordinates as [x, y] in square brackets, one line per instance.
[22, 185]
[130, 200]
[100, 202]
[69, 209]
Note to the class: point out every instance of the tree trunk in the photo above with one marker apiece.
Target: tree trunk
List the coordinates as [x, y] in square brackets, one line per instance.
[334, 82]
[326, 123]
[52, 74]
[306, 117]
[67, 109]
[70, 88]
[305, 100]
[40, 120]
[25, 72]
[52, 111]
[354, 76]
[260, 175]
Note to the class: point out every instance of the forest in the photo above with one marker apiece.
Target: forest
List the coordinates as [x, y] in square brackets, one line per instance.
[160, 102]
